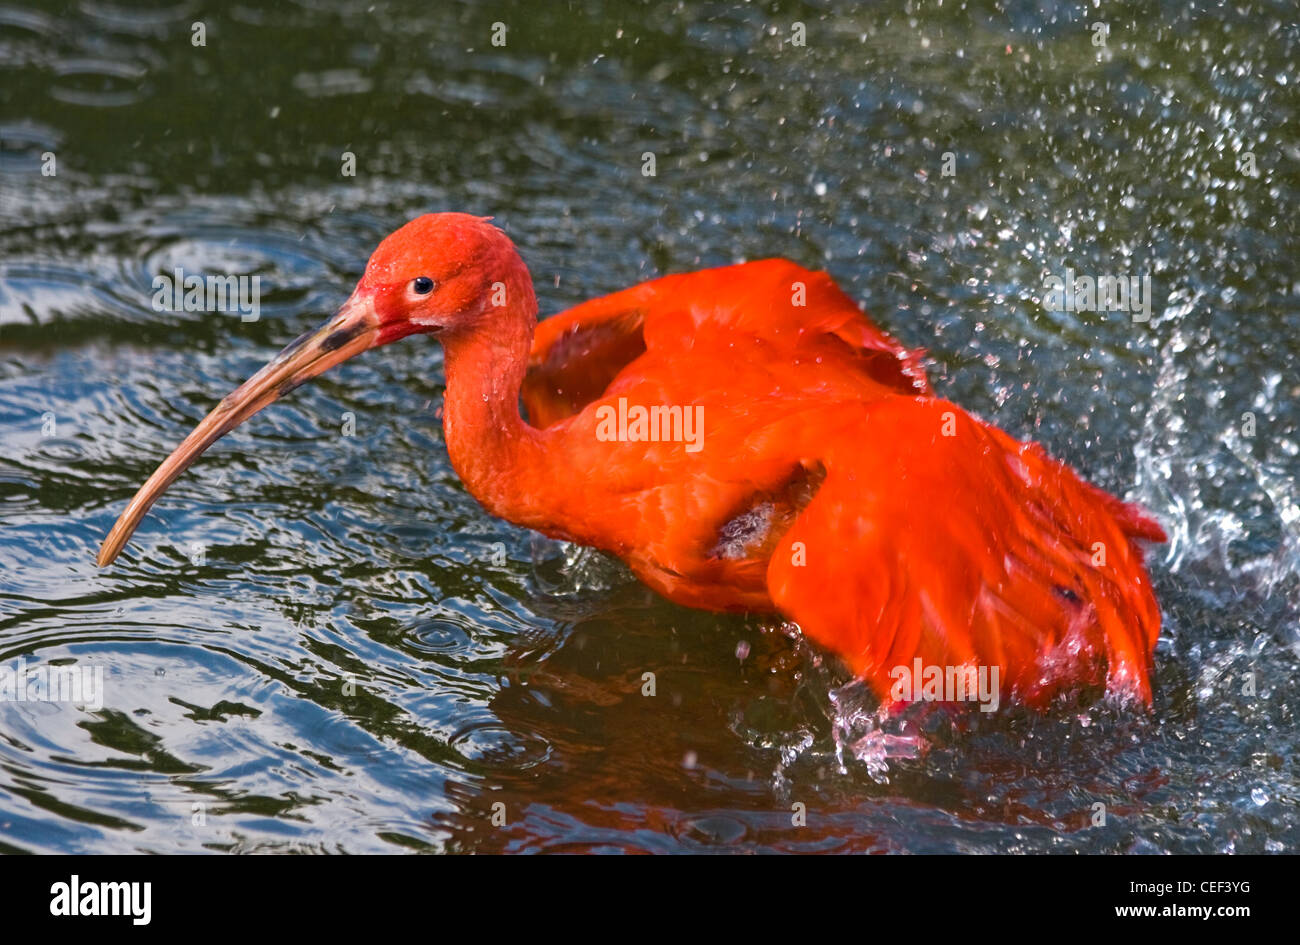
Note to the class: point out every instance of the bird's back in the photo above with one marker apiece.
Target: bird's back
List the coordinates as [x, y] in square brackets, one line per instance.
[780, 307]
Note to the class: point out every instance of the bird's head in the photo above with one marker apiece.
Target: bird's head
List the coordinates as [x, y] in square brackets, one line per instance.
[440, 274]
[443, 274]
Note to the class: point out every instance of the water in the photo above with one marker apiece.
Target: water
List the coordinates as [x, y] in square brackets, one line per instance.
[318, 641]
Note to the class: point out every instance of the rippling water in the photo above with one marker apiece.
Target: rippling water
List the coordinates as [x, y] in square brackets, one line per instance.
[320, 641]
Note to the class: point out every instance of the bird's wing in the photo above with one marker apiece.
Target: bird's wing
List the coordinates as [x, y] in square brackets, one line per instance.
[578, 353]
[946, 540]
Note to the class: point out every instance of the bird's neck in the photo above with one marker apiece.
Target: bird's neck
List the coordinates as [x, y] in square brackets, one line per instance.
[495, 453]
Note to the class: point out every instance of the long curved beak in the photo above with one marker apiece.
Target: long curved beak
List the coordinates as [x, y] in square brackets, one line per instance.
[354, 329]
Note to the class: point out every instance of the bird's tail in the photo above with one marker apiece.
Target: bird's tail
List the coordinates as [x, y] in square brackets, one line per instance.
[940, 546]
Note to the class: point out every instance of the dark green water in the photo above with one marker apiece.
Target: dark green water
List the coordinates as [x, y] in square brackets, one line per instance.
[492, 667]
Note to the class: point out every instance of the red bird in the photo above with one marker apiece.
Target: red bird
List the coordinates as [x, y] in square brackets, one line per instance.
[745, 439]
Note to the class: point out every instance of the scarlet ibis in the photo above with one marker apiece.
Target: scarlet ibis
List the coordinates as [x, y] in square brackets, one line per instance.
[745, 439]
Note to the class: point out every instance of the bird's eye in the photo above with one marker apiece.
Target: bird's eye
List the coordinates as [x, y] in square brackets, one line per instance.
[422, 285]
